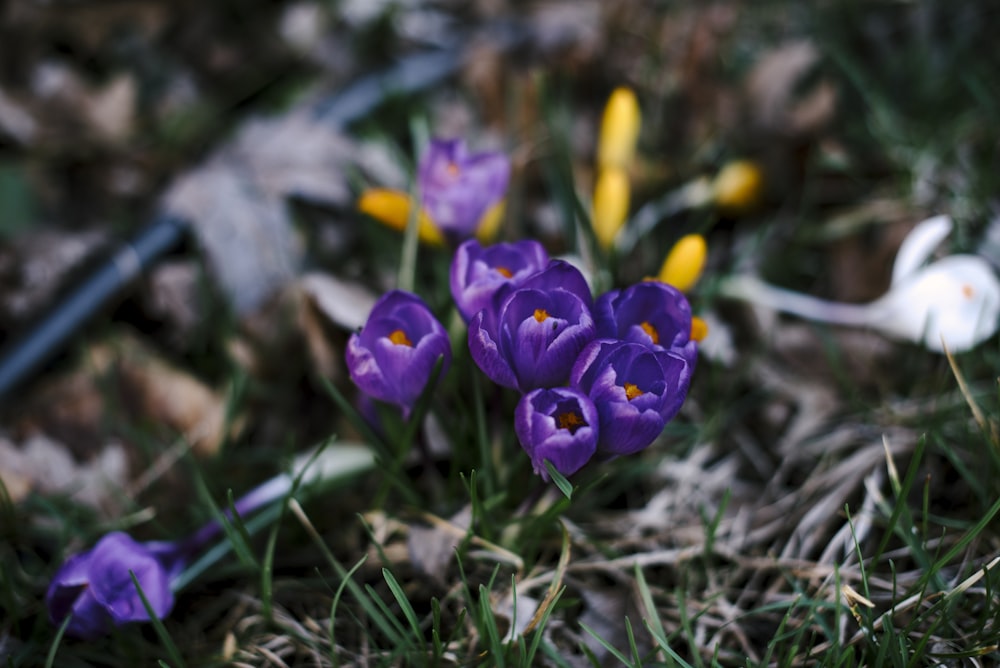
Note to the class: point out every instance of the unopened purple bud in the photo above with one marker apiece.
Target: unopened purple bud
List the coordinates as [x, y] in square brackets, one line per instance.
[477, 273]
[559, 425]
[458, 188]
[391, 359]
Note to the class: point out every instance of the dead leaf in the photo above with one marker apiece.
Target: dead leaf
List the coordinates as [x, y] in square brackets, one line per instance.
[432, 548]
[344, 303]
[43, 465]
[164, 394]
[772, 86]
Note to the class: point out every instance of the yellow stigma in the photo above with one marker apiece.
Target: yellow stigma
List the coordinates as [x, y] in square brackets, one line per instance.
[738, 187]
[541, 314]
[392, 209]
[699, 329]
[504, 271]
[571, 421]
[632, 391]
[610, 206]
[684, 263]
[619, 130]
[651, 331]
[399, 338]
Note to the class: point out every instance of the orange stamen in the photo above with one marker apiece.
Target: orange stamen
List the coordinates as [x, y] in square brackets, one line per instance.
[505, 272]
[968, 291]
[399, 338]
[452, 169]
[541, 314]
[632, 391]
[571, 421]
[651, 331]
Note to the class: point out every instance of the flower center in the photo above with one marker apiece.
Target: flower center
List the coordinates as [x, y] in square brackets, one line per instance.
[505, 272]
[570, 420]
[968, 291]
[452, 169]
[541, 314]
[399, 338]
[651, 331]
[632, 391]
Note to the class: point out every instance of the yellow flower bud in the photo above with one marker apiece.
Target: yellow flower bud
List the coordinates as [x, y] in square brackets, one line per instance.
[619, 130]
[490, 223]
[611, 200]
[685, 262]
[738, 187]
[392, 208]
[699, 329]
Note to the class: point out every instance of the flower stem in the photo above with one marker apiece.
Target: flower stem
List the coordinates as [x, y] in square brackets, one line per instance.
[756, 291]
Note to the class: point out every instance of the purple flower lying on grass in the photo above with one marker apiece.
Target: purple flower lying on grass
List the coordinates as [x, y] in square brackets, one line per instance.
[97, 589]
[477, 272]
[457, 188]
[391, 359]
[558, 424]
[530, 336]
[636, 389]
[96, 586]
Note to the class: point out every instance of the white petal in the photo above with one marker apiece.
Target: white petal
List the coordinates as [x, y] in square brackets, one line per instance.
[956, 299]
[918, 246]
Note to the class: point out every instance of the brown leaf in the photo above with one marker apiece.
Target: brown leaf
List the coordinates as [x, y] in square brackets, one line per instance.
[772, 91]
[46, 466]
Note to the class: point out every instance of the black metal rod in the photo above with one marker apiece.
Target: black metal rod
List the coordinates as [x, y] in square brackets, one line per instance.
[26, 355]
[414, 73]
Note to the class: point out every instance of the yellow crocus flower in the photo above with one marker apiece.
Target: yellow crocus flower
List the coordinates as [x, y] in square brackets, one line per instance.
[619, 130]
[610, 206]
[392, 208]
[738, 187]
[684, 263]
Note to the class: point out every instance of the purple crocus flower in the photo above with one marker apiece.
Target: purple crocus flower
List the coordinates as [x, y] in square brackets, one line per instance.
[96, 586]
[558, 424]
[530, 336]
[478, 272]
[637, 389]
[391, 359]
[458, 188]
[651, 313]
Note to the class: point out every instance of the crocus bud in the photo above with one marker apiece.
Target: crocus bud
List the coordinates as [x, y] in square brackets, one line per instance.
[619, 130]
[393, 209]
[738, 187]
[684, 263]
[477, 272]
[610, 206]
[559, 425]
[391, 359]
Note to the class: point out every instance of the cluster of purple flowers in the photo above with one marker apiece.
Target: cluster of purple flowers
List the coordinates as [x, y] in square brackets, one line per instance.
[597, 377]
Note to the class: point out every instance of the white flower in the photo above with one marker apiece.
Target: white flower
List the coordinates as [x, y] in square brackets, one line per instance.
[953, 302]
